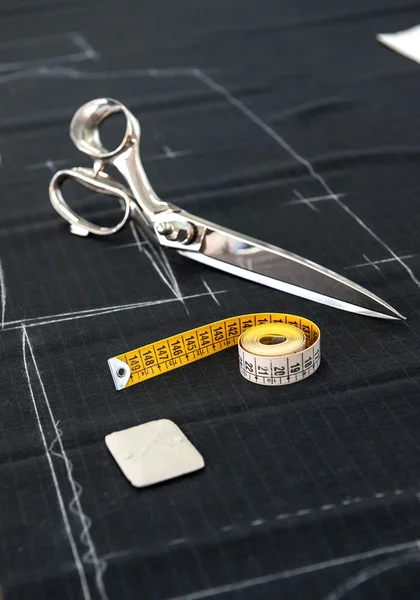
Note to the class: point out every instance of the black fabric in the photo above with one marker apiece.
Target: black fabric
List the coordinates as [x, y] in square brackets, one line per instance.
[310, 490]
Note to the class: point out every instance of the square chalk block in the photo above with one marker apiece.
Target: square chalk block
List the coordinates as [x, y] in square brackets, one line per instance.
[153, 452]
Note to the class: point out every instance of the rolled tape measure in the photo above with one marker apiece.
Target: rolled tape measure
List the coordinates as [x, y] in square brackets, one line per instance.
[274, 349]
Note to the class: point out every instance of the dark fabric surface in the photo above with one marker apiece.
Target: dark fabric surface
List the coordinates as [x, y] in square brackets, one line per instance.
[309, 491]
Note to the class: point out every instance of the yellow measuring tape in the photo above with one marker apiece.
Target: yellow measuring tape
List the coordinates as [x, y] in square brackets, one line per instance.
[274, 349]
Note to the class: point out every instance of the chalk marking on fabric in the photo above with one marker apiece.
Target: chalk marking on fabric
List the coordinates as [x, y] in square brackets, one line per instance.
[380, 262]
[75, 503]
[307, 201]
[75, 552]
[84, 314]
[231, 99]
[210, 291]
[295, 572]
[87, 53]
[371, 571]
[74, 73]
[48, 164]
[302, 200]
[84, 45]
[129, 245]
[374, 265]
[2, 294]
[160, 263]
[75, 506]
[177, 541]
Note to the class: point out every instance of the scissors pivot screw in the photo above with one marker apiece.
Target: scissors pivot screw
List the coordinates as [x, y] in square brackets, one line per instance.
[176, 232]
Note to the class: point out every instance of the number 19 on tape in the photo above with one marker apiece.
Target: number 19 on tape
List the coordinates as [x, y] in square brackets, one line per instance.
[274, 349]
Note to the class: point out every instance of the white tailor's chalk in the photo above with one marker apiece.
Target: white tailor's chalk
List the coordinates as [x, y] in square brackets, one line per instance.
[153, 452]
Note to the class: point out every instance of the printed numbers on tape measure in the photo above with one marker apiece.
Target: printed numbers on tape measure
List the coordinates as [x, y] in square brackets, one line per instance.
[249, 367]
[279, 371]
[162, 353]
[134, 363]
[178, 350]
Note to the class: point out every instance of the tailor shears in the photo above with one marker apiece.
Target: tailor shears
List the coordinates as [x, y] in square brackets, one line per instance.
[191, 236]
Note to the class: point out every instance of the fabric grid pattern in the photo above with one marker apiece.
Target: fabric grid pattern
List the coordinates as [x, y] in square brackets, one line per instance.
[254, 115]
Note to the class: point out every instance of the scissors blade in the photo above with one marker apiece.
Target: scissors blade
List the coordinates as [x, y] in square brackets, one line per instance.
[282, 270]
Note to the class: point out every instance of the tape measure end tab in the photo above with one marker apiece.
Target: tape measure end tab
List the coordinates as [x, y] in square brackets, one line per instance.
[120, 372]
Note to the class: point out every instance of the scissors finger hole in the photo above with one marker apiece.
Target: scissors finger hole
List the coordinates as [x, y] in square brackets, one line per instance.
[90, 200]
[102, 209]
[99, 125]
[112, 130]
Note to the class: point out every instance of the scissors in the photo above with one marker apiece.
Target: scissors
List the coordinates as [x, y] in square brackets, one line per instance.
[192, 237]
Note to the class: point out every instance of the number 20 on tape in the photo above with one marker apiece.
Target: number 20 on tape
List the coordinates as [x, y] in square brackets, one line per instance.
[274, 349]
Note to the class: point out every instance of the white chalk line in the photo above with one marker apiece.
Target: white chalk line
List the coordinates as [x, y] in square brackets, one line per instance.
[293, 515]
[378, 239]
[84, 45]
[74, 508]
[75, 552]
[2, 295]
[91, 556]
[302, 200]
[28, 72]
[169, 153]
[74, 73]
[172, 154]
[129, 245]
[288, 573]
[16, 75]
[22, 74]
[210, 291]
[177, 541]
[38, 67]
[49, 164]
[301, 160]
[36, 39]
[373, 264]
[303, 512]
[380, 262]
[87, 53]
[371, 571]
[53, 164]
[85, 314]
[160, 263]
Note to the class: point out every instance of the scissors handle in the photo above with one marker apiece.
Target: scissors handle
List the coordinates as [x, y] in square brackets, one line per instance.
[138, 196]
[97, 181]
